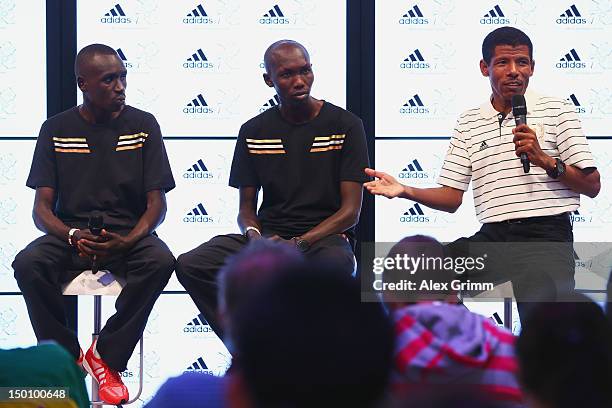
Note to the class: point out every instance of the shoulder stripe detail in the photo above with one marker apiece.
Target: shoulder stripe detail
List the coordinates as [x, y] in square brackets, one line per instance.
[129, 147]
[279, 151]
[140, 135]
[264, 141]
[70, 139]
[60, 150]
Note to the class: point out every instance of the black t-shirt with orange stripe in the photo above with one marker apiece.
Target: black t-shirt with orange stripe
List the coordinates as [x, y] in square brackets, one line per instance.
[299, 167]
[105, 168]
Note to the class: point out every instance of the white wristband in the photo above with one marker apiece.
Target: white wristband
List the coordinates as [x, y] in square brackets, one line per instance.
[249, 228]
[70, 234]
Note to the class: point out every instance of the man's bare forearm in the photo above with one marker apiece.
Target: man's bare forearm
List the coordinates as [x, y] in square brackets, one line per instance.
[439, 198]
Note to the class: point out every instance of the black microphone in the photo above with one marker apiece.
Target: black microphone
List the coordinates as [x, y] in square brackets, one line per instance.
[519, 111]
[95, 225]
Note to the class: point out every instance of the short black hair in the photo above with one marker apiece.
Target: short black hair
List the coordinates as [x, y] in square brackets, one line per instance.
[307, 340]
[88, 52]
[280, 44]
[565, 354]
[504, 36]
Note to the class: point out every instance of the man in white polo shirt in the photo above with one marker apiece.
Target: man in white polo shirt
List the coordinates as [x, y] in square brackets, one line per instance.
[530, 210]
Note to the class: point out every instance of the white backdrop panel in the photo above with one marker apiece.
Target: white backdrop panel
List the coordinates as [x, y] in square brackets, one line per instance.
[23, 68]
[593, 220]
[15, 328]
[16, 201]
[417, 163]
[431, 49]
[205, 79]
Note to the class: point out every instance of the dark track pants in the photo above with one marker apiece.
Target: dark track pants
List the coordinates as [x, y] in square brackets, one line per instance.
[197, 269]
[48, 262]
[536, 254]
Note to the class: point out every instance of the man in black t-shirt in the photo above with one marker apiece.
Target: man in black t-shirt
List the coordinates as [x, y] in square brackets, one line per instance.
[102, 157]
[307, 156]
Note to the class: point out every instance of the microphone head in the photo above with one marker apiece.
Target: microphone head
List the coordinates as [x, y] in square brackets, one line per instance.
[519, 105]
[96, 224]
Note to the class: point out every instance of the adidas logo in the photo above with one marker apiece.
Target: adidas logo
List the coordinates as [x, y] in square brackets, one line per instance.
[275, 12]
[198, 105]
[571, 60]
[496, 319]
[198, 60]
[413, 16]
[199, 366]
[413, 170]
[571, 16]
[198, 171]
[414, 60]
[414, 106]
[198, 16]
[272, 102]
[577, 217]
[198, 215]
[116, 15]
[121, 55]
[483, 146]
[578, 107]
[274, 16]
[414, 214]
[495, 16]
[197, 325]
[198, 210]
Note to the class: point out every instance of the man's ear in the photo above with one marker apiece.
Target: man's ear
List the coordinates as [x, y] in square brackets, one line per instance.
[81, 84]
[484, 69]
[268, 80]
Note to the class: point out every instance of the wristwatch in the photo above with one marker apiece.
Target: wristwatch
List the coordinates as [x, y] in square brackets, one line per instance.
[301, 244]
[251, 228]
[71, 235]
[558, 170]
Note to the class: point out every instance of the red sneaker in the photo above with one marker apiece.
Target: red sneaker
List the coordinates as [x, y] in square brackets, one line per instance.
[112, 390]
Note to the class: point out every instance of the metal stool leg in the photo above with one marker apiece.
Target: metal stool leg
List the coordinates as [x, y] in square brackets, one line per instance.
[94, 336]
[95, 398]
[508, 313]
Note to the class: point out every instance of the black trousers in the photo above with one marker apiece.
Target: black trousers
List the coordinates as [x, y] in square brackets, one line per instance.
[48, 262]
[536, 254]
[197, 269]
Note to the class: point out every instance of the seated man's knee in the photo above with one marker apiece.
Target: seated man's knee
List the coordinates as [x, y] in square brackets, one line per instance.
[164, 259]
[24, 265]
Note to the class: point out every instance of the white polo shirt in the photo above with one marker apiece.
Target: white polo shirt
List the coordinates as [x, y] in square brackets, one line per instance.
[481, 150]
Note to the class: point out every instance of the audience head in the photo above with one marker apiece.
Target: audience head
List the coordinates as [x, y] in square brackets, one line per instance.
[306, 340]
[565, 355]
[430, 256]
[248, 270]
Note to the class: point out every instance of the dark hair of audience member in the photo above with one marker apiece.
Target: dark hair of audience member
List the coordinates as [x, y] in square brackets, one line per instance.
[565, 354]
[306, 340]
[252, 266]
[429, 250]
